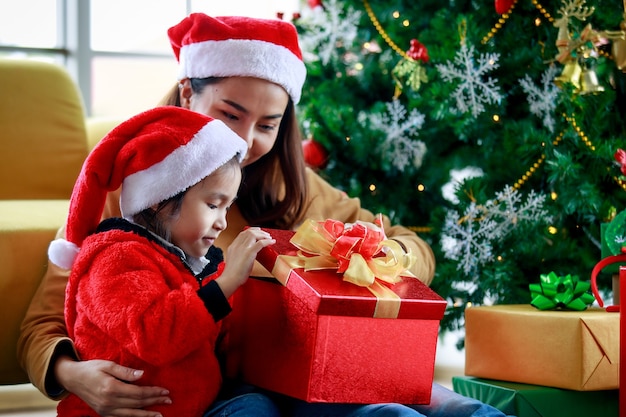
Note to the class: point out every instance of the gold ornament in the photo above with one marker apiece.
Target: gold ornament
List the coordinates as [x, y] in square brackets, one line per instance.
[570, 9]
[571, 74]
[619, 47]
[589, 82]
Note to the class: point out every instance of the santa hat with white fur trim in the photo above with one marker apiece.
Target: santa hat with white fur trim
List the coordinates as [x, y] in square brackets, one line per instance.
[232, 46]
[154, 156]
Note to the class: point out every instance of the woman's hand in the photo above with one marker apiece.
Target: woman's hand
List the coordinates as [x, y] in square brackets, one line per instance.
[240, 256]
[108, 387]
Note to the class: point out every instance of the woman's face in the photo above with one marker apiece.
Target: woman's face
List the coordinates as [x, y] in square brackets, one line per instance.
[252, 107]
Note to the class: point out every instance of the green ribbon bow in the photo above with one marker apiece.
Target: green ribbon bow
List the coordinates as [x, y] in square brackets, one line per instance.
[565, 292]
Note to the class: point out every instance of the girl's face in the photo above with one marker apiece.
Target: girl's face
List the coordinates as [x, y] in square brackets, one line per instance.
[252, 107]
[202, 215]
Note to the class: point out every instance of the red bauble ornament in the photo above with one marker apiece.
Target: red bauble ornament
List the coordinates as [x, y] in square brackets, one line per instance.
[315, 155]
[503, 6]
[315, 3]
[418, 51]
[620, 157]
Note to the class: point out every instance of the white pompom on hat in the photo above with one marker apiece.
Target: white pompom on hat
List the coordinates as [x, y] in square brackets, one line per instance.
[231, 46]
[154, 156]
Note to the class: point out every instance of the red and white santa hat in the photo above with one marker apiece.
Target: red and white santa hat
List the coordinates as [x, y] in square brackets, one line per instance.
[154, 156]
[231, 46]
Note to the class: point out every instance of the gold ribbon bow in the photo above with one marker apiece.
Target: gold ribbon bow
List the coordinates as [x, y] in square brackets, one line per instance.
[361, 252]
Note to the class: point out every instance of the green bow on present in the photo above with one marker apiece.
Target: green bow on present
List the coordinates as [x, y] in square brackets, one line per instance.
[565, 292]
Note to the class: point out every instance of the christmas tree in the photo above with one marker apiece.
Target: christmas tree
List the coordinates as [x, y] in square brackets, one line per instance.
[488, 128]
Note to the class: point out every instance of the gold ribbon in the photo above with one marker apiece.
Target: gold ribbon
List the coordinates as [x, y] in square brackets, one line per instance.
[361, 252]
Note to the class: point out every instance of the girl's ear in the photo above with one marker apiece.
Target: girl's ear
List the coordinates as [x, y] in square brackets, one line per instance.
[185, 92]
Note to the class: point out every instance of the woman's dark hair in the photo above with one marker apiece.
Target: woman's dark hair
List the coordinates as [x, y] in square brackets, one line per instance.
[275, 191]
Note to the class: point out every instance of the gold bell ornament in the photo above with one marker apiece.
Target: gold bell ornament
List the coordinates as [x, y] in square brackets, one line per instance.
[571, 74]
[589, 82]
[619, 46]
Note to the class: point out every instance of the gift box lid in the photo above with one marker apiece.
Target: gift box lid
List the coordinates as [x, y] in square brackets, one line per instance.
[325, 292]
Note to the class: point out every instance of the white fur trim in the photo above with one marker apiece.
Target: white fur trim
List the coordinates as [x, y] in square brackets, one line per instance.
[244, 58]
[210, 148]
[62, 253]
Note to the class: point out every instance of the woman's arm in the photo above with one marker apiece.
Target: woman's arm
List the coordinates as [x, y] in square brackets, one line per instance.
[43, 335]
[328, 202]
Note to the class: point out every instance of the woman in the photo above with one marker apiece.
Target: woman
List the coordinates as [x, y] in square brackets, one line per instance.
[248, 73]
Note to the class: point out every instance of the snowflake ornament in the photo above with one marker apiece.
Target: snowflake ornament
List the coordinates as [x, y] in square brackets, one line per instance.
[470, 239]
[398, 147]
[473, 92]
[326, 27]
[543, 100]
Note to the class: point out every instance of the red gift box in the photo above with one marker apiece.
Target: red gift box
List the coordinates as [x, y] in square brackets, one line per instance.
[315, 336]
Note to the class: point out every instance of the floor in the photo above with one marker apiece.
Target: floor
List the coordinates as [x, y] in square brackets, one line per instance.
[25, 400]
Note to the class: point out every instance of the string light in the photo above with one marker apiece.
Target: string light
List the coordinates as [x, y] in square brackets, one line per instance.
[421, 187]
[372, 187]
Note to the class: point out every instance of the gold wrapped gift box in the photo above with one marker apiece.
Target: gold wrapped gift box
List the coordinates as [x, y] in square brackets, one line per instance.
[577, 350]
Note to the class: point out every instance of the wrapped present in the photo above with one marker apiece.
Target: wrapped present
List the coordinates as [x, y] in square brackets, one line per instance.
[576, 350]
[525, 400]
[313, 335]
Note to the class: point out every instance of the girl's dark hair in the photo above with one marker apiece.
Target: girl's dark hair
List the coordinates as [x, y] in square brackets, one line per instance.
[153, 218]
[275, 191]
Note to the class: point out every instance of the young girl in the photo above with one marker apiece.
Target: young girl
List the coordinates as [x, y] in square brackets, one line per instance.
[142, 292]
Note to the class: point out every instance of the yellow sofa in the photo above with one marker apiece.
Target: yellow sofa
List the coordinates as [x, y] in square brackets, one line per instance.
[44, 139]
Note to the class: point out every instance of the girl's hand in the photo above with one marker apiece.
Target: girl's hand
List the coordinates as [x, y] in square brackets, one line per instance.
[108, 387]
[240, 256]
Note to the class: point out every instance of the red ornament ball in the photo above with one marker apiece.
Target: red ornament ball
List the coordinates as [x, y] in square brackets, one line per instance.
[503, 6]
[418, 51]
[315, 155]
[315, 3]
